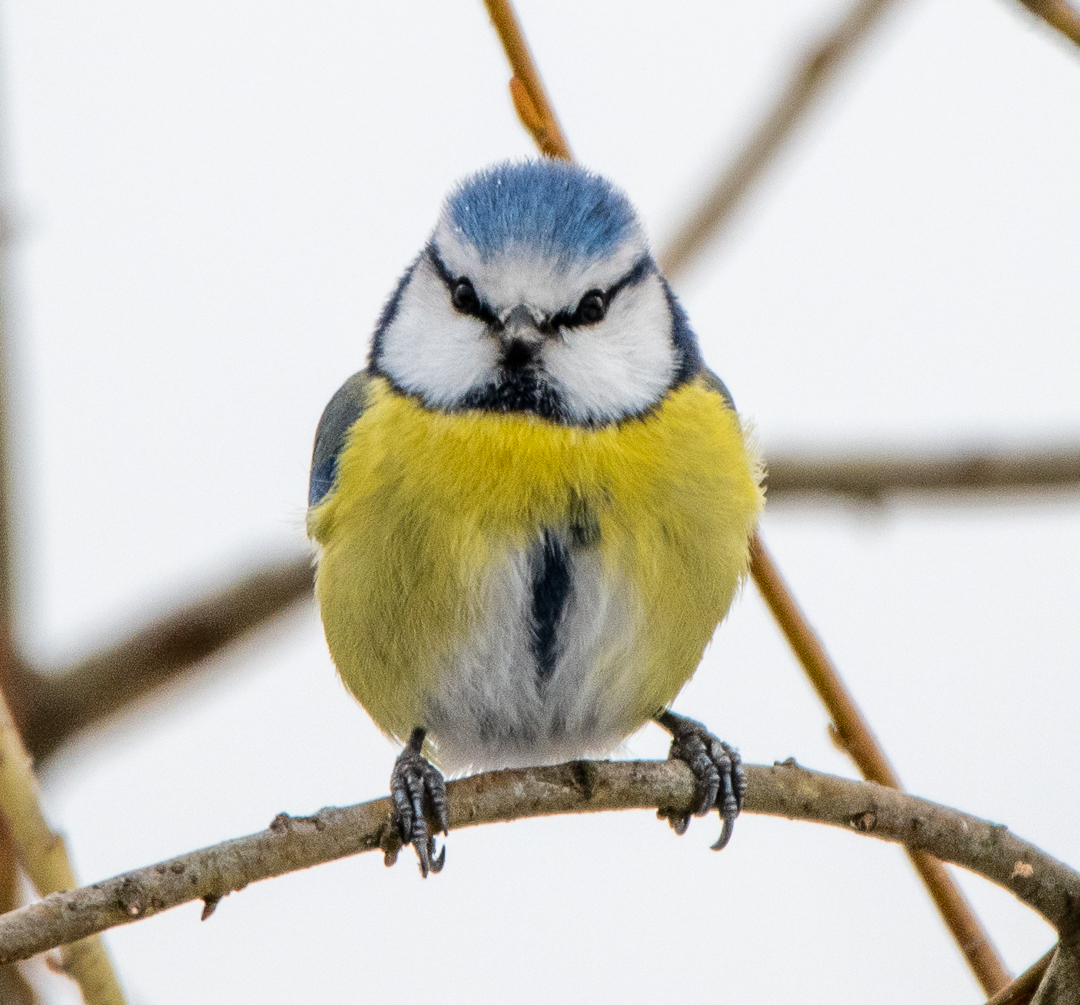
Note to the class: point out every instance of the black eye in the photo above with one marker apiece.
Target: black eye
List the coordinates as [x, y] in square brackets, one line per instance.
[592, 307]
[464, 297]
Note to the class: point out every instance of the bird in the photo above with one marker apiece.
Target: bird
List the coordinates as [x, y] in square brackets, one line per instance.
[533, 506]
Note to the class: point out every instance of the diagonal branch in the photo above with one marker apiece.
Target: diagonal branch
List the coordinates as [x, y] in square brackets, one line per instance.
[54, 706]
[1059, 14]
[15, 989]
[806, 83]
[42, 854]
[526, 88]
[294, 843]
[853, 734]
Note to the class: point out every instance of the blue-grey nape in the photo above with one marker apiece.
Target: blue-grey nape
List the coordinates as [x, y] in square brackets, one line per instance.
[339, 416]
[556, 208]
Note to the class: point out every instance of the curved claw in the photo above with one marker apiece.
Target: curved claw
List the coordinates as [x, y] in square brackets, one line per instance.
[725, 832]
[436, 862]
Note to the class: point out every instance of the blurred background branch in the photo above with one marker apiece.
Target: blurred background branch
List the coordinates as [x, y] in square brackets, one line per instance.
[42, 854]
[875, 475]
[805, 84]
[1059, 14]
[55, 705]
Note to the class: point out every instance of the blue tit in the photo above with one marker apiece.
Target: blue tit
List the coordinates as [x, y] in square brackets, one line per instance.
[533, 508]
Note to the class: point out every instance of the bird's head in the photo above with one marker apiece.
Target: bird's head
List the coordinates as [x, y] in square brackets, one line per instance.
[536, 293]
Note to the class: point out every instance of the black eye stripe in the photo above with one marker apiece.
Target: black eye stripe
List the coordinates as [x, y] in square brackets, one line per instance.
[473, 306]
[563, 319]
[573, 319]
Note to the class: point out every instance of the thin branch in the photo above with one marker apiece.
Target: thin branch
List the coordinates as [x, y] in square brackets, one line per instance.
[42, 854]
[872, 475]
[853, 734]
[526, 88]
[294, 843]
[805, 85]
[1059, 14]
[15, 989]
[53, 706]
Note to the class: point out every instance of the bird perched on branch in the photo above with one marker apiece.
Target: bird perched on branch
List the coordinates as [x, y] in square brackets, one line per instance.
[533, 507]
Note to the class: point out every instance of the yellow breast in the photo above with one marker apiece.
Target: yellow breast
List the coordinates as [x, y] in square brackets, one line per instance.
[427, 503]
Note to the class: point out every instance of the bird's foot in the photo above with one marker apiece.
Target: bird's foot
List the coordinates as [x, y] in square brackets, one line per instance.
[717, 769]
[418, 793]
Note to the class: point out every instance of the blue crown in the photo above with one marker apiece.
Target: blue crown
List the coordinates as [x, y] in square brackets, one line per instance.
[559, 210]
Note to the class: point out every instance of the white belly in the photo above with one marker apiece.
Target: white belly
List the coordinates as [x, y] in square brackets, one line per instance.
[492, 707]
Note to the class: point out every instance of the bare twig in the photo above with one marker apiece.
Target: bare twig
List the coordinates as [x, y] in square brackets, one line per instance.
[806, 84]
[293, 843]
[1059, 14]
[526, 88]
[871, 476]
[56, 705]
[14, 987]
[853, 734]
[44, 857]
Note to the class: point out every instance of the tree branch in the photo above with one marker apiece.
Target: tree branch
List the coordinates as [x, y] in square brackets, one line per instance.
[526, 88]
[1059, 14]
[294, 843]
[52, 706]
[853, 735]
[42, 854]
[806, 82]
[872, 475]
[14, 987]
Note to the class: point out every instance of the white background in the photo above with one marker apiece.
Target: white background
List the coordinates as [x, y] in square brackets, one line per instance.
[213, 199]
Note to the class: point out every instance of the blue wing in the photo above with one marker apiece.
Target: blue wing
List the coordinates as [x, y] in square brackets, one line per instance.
[339, 416]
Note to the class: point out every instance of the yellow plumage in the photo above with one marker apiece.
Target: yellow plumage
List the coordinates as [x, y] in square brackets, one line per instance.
[426, 503]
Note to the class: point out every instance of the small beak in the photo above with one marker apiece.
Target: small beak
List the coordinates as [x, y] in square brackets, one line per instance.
[520, 326]
[520, 339]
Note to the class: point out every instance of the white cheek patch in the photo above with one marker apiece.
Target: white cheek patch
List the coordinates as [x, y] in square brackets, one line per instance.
[621, 365]
[518, 275]
[431, 349]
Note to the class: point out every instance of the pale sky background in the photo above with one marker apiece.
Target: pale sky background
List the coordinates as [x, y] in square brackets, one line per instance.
[212, 201]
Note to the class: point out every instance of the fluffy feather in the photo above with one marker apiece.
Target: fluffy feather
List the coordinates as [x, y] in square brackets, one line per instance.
[423, 574]
[531, 517]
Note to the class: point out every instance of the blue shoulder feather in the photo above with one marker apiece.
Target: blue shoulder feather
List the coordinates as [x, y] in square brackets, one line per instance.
[339, 416]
